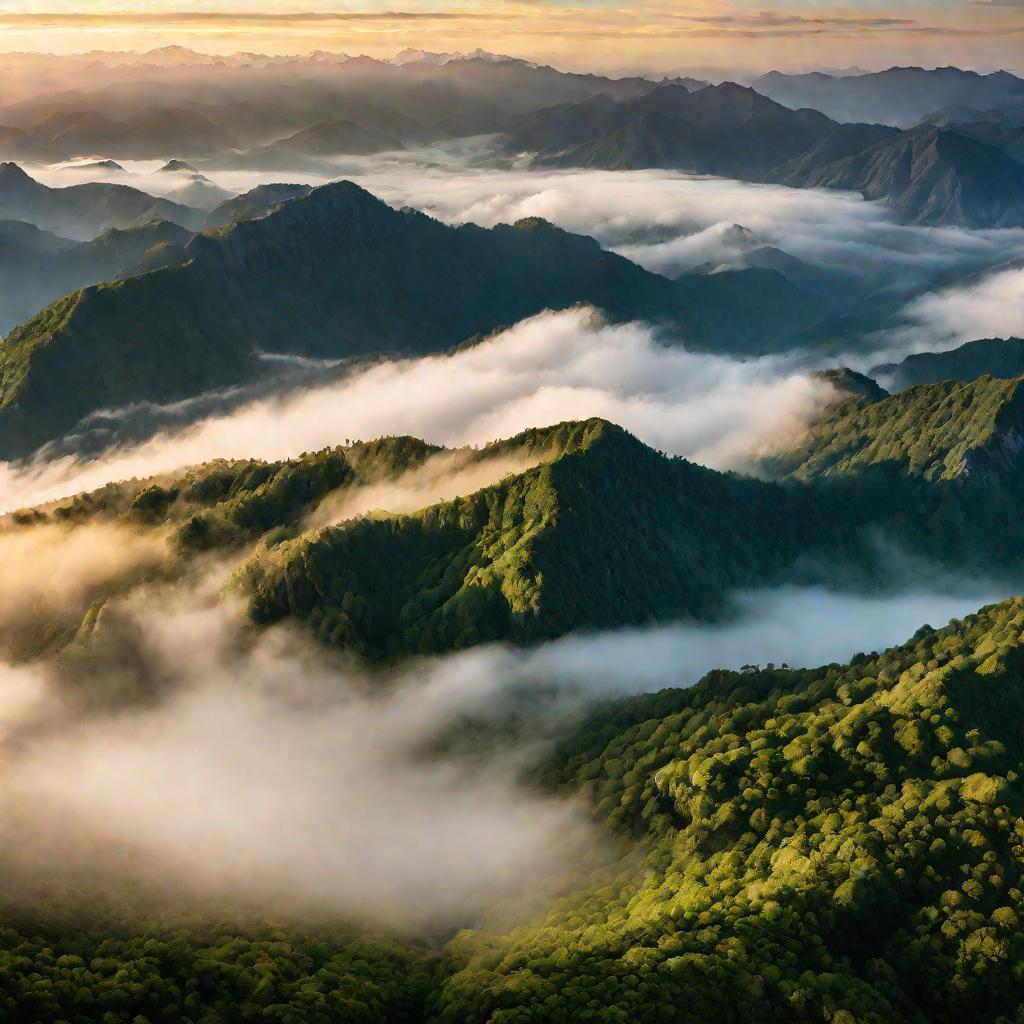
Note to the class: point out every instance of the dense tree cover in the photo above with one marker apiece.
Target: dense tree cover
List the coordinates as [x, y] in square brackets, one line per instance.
[842, 844]
[335, 273]
[227, 502]
[937, 432]
[221, 505]
[605, 533]
[69, 959]
[608, 532]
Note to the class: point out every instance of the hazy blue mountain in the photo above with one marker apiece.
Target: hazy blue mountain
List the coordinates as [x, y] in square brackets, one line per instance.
[84, 211]
[724, 129]
[332, 137]
[898, 96]
[929, 175]
[37, 267]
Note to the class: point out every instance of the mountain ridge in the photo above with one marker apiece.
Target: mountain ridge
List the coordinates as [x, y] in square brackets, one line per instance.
[85, 210]
[334, 261]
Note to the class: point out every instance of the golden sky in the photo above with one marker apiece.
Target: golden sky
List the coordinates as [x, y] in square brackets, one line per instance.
[607, 36]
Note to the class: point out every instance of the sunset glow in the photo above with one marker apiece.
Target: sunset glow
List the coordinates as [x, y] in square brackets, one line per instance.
[604, 36]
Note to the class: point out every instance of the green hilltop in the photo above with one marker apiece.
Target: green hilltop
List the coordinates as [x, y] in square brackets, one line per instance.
[605, 533]
[943, 431]
[600, 531]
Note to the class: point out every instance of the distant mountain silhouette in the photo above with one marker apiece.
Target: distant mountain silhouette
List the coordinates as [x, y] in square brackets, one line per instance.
[724, 129]
[898, 96]
[997, 357]
[929, 176]
[84, 211]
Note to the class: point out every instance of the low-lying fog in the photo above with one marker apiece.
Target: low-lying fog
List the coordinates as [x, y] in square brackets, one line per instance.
[667, 221]
[271, 773]
[546, 369]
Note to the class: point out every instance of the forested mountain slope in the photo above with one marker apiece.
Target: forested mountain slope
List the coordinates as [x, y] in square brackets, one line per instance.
[605, 533]
[598, 532]
[256, 202]
[947, 431]
[840, 844]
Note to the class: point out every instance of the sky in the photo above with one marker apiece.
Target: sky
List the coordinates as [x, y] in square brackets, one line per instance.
[604, 35]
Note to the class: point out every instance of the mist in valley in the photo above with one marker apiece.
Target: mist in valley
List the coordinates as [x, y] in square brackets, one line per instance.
[260, 770]
[545, 370]
[151, 732]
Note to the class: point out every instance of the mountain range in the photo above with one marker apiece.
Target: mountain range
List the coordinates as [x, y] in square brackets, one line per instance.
[186, 650]
[927, 175]
[336, 273]
[898, 96]
[934, 471]
[82, 212]
[139, 110]
[600, 531]
[725, 129]
[37, 267]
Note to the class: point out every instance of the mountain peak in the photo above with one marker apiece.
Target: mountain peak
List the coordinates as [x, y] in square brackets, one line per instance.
[347, 192]
[173, 166]
[11, 173]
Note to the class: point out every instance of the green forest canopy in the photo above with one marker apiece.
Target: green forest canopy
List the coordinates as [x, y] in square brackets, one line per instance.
[602, 532]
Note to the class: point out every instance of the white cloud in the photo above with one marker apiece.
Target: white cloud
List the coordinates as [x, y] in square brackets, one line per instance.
[653, 217]
[991, 308]
[549, 368]
[272, 773]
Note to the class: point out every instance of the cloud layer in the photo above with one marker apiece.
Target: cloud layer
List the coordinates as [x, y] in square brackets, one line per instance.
[666, 221]
[990, 308]
[270, 773]
[547, 369]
